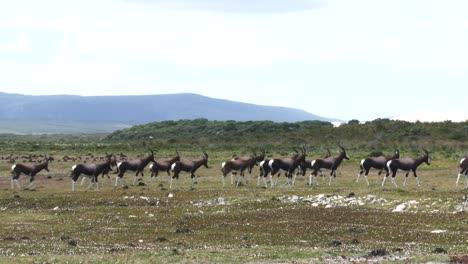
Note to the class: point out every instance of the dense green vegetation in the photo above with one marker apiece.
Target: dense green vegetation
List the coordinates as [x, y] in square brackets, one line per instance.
[380, 134]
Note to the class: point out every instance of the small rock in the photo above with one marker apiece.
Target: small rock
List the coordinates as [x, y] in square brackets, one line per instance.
[440, 251]
[355, 241]
[399, 208]
[183, 231]
[170, 195]
[351, 195]
[72, 243]
[378, 253]
[336, 243]
[438, 231]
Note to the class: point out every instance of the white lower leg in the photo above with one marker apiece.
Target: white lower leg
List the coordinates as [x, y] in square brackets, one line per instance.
[357, 179]
[134, 180]
[73, 186]
[82, 180]
[329, 182]
[384, 179]
[116, 180]
[394, 182]
[367, 180]
[232, 178]
[417, 180]
[458, 178]
[12, 184]
[170, 186]
[404, 182]
[223, 180]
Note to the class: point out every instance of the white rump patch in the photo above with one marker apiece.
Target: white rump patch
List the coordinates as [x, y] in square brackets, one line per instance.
[13, 167]
[173, 166]
[270, 163]
[151, 166]
[261, 163]
[222, 165]
[74, 167]
[362, 162]
[388, 163]
[461, 161]
[312, 163]
[118, 165]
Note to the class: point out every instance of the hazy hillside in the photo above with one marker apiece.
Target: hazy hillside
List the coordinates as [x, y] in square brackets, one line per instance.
[141, 109]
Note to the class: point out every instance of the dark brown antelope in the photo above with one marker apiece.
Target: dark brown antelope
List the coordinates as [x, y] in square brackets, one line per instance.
[288, 166]
[307, 164]
[190, 166]
[408, 165]
[237, 165]
[463, 170]
[91, 170]
[162, 165]
[27, 169]
[379, 163]
[137, 165]
[330, 163]
[253, 162]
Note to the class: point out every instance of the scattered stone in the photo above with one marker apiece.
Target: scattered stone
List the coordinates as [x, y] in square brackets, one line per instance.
[438, 231]
[72, 243]
[351, 195]
[399, 208]
[355, 241]
[440, 251]
[170, 195]
[175, 251]
[378, 253]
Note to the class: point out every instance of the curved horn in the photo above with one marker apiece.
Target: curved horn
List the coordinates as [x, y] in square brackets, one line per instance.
[206, 154]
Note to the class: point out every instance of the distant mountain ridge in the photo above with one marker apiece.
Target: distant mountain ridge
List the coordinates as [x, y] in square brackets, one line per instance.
[133, 110]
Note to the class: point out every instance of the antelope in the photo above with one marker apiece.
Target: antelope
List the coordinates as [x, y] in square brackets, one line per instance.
[288, 166]
[379, 163]
[307, 164]
[330, 163]
[105, 172]
[265, 169]
[137, 165]
[463, 169]
[406, 164]
[162, 165]
[91, 170]
[253, 162]
[31, 170]
[239, 164]
[189, 167]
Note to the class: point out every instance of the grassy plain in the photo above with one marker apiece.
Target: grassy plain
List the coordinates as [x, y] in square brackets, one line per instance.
[155, 224]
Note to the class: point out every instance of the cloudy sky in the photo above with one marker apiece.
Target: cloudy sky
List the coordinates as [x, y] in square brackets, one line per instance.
[360, 59]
